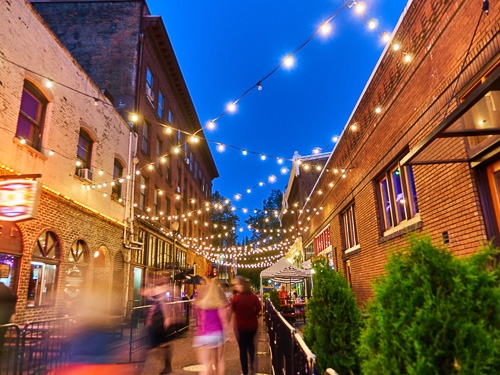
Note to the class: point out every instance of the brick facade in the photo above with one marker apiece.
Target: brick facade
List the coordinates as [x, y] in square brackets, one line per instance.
[73, 209]
[117, 43]
[453, 200]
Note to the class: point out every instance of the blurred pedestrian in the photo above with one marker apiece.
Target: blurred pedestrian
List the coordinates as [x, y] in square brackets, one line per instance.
[283, 296]
[161, 325]
[8, 301]
[211, 310]
[246, 307]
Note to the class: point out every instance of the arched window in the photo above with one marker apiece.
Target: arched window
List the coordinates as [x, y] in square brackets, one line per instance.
[43, 277]
[31, 115]
[75, 275]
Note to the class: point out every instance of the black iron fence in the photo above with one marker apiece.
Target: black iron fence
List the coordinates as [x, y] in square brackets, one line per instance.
[289, 353]
[37, 348]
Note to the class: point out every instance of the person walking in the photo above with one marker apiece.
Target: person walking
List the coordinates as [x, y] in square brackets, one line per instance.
[162, 321]
[246, 307]
[211, 311]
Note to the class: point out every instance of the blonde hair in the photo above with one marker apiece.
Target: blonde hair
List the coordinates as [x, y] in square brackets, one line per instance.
[211, 297]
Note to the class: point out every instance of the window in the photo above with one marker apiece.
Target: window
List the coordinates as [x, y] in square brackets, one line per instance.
[116, 188]
[43, 275]
[31, 115]
[75, 280]
[149, 86]
[168, 172]
[84, 151]
[349, 228]
[170, 117]
[398, 196]
[145, 138]
[159, 146]
[161, 104]
[179, 179]
[156, 201]
[143, 192]
[168, 209]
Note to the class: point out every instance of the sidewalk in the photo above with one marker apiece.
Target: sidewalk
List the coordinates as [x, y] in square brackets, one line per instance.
[184, 361]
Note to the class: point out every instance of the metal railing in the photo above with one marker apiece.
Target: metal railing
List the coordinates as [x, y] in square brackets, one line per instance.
[139, 337]
[289, 353]
[37, 348]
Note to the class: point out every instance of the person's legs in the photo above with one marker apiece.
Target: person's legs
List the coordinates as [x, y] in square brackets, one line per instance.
[243, 345]
[251, 351]
[220, 363]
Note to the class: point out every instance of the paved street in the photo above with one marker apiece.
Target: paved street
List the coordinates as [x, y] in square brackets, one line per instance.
[184, 358]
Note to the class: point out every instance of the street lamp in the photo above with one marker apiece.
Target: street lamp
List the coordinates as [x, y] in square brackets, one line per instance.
[175, 229]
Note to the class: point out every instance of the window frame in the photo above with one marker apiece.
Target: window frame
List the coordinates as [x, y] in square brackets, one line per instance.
[85, 158]
[150, 95]
[36, 126]
[160, 111]
[393, 192]
[47, 243]
[116, 188]
[145, 136]
[349, 228]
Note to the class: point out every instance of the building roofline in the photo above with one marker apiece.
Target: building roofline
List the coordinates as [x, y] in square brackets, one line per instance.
[157, 29]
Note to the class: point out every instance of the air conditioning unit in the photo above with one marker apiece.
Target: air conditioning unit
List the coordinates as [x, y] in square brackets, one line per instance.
[84, 173]
[178, 189]
[186, 160]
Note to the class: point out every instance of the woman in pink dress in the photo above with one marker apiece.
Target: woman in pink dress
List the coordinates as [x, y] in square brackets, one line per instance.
[211, 310]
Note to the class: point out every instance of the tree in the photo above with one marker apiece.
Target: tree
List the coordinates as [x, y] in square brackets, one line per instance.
[224, 221]
[265, 232]
[434, 313]
[334, 321]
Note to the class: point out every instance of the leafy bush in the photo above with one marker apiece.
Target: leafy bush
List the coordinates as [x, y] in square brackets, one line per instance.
[434, 313]
[274, 296]
[333, 321]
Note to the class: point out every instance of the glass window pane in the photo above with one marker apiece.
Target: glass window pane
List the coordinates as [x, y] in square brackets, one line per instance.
[31, 106]
[412, 191]
[397, 192]
[386, 203]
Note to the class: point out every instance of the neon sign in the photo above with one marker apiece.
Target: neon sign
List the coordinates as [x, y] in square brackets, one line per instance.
[19, 199]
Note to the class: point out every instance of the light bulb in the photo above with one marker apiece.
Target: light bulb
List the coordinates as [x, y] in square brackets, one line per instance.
[288, 61]
[386, 37]
[396, 47]
[134, 117]
[211, 125]
[326, 28]
[231, 107]
[372, 24]
[262, 157]
[244, 152]
[49, 83]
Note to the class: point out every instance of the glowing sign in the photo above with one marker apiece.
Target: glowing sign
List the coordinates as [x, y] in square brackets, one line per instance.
[19, 199]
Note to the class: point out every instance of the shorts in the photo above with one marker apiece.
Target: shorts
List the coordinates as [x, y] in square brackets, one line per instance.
[212, 340]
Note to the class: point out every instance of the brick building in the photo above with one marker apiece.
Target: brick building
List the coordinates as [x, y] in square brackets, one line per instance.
[60, 130]
[420, 151]
[126, 50]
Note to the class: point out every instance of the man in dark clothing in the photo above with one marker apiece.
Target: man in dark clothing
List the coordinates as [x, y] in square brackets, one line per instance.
[7, 308]
[246, 306]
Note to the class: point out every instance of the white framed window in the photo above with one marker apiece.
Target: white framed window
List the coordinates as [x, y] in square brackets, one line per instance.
[398, 196]
[150, 86]
[349, 228]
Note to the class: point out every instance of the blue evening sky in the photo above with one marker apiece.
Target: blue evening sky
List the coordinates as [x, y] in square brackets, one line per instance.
[224, 47]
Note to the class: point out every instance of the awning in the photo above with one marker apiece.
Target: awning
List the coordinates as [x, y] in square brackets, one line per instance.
[476, 116]
[276, 267]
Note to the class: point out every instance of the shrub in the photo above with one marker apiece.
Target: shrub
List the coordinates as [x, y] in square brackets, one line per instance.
[434, 313]
[275, 299]
[333, 321]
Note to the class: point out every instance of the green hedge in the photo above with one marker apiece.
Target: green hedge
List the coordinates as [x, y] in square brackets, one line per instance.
[434, 313]
[333, 321]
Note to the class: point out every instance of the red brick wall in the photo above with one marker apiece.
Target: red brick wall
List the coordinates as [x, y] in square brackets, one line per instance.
[414, 99]
[70, 223]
